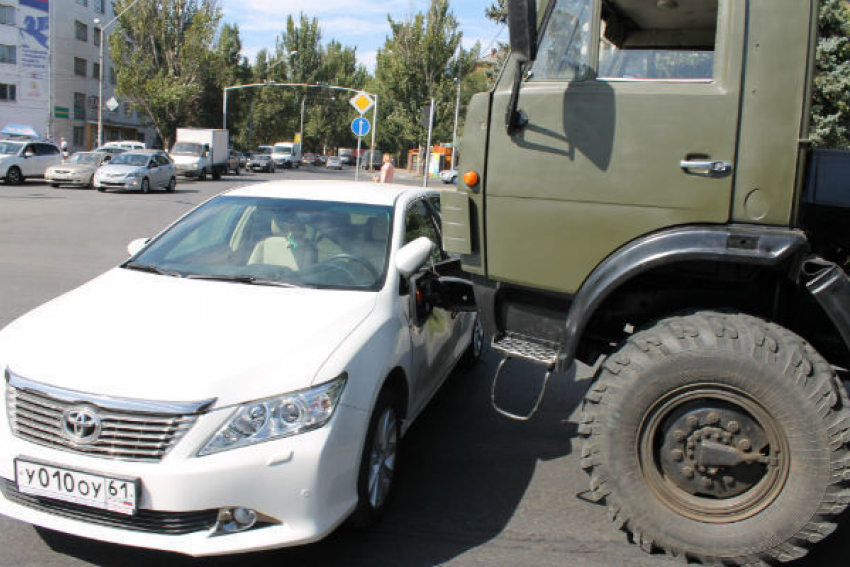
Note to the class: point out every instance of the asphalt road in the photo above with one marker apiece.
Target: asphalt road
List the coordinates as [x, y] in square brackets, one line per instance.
[474, 488]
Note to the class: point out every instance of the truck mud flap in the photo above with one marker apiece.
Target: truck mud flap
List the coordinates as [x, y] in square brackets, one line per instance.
[830, 286]
[513, 345]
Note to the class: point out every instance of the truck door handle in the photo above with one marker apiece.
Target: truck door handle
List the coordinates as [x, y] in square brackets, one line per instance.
[706, 168]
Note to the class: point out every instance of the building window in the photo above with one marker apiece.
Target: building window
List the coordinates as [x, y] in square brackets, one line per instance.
[7, 54]
[112, 78]
[95, 33]
[81, 31]
[79, 136]
[95, 70]
[99, 6]
[80, 106]
[80, 66]
[128, 110]
[7, 92]
[83, 2]
[7, 15]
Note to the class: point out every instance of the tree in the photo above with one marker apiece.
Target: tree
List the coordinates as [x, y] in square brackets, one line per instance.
[160, 55]
[497, 11]
[419, 61]
[831, 98]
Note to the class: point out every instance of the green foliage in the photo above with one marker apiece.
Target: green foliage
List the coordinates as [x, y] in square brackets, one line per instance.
[497, 11]
[831, 99]
[161, 50]
[419, 61]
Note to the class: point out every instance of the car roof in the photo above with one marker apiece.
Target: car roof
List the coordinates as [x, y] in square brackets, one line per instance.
[340, 191]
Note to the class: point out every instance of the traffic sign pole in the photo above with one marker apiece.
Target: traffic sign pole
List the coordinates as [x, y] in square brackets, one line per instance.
[357, 171]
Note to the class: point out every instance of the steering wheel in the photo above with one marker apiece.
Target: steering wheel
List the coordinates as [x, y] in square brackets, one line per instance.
[357, 260]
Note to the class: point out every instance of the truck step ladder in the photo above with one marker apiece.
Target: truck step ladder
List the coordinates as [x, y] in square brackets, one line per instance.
[538, 351]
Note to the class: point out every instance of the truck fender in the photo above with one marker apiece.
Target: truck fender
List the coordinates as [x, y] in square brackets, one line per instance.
[830, 287]
[738, 244]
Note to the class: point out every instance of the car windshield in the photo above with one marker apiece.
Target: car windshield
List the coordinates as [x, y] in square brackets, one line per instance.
[9, 148]
[85, 157]
[260, 157]
[187, 149]
[285, 150]
[137, 160]
[322, 244]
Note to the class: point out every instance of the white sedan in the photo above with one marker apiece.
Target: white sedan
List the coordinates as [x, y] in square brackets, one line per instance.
[243, 381]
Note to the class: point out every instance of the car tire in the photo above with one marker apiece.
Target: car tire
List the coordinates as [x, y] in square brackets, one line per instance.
[172, 184]
[54, 185]
[101, 189]
[720, 438]
[475, 350]
[216, 174]
[146, 185]
[378, 464]
[14, 176]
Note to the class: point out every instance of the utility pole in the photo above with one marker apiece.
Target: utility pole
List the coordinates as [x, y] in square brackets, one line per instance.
[454, 132]
[428, 147]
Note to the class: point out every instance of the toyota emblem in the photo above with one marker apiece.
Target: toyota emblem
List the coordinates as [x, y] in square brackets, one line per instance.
[81, 425]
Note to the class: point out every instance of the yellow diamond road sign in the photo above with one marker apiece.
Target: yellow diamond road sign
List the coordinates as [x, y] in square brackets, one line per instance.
[362, 102]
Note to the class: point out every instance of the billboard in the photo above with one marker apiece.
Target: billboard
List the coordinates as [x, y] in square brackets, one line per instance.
[34, 51]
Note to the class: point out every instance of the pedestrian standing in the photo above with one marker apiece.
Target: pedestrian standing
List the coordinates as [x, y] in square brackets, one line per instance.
[63, 145]
[387, 170]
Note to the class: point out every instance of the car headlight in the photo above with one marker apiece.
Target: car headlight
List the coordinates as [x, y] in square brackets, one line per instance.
[280, 416]
[134, 174]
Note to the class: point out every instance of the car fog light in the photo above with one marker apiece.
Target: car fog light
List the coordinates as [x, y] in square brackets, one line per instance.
[239, 519]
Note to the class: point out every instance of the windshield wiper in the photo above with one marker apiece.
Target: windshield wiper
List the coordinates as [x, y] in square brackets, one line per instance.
[152, 269]
[251, 280]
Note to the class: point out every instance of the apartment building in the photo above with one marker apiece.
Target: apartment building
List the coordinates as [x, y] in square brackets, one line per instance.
[50, 73]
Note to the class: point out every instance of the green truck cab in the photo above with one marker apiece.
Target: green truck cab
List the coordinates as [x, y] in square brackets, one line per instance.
[646, 201]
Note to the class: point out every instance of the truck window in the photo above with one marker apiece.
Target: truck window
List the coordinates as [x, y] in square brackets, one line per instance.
[564, 51]
[649, 40]
[639, 40]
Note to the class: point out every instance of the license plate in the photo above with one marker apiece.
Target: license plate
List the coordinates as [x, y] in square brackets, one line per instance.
[107, 493]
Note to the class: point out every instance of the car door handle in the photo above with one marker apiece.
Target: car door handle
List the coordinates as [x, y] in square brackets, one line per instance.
[706, 168]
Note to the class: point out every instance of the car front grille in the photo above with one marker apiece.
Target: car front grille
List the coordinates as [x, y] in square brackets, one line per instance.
[150, 521]
[130, 430]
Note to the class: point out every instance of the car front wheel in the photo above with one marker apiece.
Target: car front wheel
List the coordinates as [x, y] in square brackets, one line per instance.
[376, 479]
[146, 185]
[172, 183]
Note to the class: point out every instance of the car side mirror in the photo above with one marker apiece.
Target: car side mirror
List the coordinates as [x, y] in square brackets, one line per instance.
[136, 245]
[28, 154]
[413, 255]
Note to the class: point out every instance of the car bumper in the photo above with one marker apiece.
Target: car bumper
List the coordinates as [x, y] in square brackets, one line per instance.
[302, 486]
[126, 184]
[67, 179]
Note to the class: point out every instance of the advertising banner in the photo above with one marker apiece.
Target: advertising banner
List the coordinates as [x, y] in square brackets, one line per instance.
[35, 48]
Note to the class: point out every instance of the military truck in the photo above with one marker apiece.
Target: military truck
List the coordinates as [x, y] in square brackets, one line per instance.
[638, 193]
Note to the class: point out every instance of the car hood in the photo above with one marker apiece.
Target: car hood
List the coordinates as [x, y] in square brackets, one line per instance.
[119, 169]
[73, 167]
[144, 336]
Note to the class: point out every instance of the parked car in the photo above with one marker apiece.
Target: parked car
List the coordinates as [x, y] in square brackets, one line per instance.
[243, 160]
[137, 171]
[112, 150]
[233, 163]
[261, 162]
[20, 159]
[77, 170]
[310, 159]
[333, 162]
[270, 434]
[125, 145]
[448, 176]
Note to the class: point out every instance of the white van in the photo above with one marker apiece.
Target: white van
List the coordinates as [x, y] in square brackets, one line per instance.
[287, 154]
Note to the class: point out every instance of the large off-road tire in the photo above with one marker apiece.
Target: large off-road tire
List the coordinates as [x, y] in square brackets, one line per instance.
[376, 479]
[675, 408]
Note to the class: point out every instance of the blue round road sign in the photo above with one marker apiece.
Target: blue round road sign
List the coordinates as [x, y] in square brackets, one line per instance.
[360, 126]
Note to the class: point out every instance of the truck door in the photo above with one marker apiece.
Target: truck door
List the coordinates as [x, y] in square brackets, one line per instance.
[625, 105]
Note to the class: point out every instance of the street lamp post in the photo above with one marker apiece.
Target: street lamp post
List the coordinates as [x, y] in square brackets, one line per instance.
[236, 87]
[100, 70]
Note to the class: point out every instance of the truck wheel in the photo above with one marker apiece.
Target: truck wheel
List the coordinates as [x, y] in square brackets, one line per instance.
[202, 176]
[216, 174]
[720, 438]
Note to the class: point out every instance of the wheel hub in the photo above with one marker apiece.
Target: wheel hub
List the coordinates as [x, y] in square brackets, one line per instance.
[712, 453]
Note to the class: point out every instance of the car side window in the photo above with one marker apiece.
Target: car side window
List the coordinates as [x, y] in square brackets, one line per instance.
[419, 222]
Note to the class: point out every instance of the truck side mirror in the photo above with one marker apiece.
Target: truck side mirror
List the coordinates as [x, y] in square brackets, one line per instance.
[522, 24]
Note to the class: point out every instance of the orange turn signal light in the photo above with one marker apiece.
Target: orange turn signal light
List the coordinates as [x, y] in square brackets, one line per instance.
[470, 178]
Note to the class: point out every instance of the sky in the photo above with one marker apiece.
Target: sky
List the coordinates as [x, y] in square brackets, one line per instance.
[361, 24]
